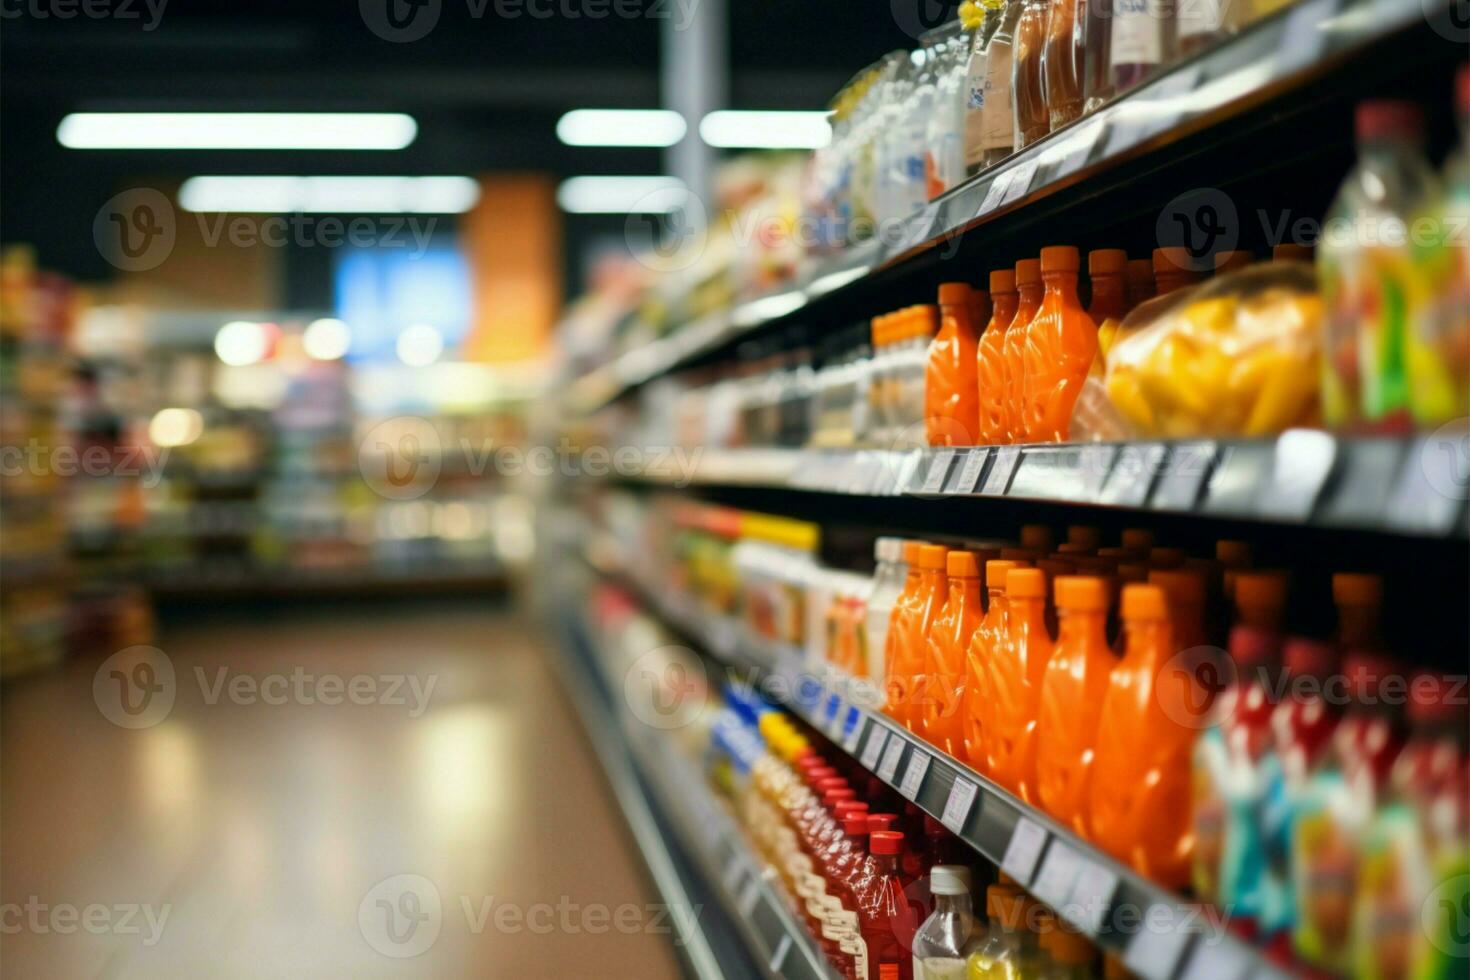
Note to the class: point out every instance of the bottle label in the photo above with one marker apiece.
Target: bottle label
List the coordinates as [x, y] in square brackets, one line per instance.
[1201, 17]
[1138, 37]
[975, 109]
[857, 948]
[999, 125]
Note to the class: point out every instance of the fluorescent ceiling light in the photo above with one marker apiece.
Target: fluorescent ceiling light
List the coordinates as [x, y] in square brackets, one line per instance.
[621, 195]
[333, 195]
[621, 127]
[236, 130]
[766, 130]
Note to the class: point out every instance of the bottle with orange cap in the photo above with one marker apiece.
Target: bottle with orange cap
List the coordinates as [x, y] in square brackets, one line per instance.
[1072, 690]
[920, 324]
[1138, 799]
[1174, 268]
[1013, 674]
[949, 639]
[1029, 291]
[1140, 282]
[1061, 346]
[951, 388]
[990, 366]
[903, 609]
[906, 656]
[989, 635]
[1107, 272]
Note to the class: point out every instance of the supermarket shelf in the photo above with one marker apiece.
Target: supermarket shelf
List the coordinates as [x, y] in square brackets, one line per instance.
[634, 756]
[1096, 894]
[1397, 485]
[1265, 64]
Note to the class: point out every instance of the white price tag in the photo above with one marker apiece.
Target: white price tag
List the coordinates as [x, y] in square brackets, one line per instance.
[888, 768]
[850, 744]
[1022, 852]
[970, 472]
[1002, 468]
[938, 470]
[1059, 870]
[1071, 156]
[1092, 894]
[748, 897]
[1020, 181]
[957, 807]
[873, 749]
[1216, 960]
[995, 193]
[1154, 954]
[834, 726]
[913, 776]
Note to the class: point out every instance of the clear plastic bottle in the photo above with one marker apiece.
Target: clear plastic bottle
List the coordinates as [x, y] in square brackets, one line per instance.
[1033, 118]
[902, 179]
[888, 582]
[1366, 271]
[1142, 40]
[950, 934]
[992, 12]
[998, 957]
[944, 160]
[884, 103]
[999, 126]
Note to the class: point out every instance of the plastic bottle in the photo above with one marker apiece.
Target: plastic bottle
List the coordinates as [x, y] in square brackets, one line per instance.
[990, 359]
[906, 678]
[1038, 538]
[1061, 346]
[975, 78]
[1173, 269]
[944, 161]
[949, 641]
[1072, 691]
[1107, 272]
[886, 918]
[991, 633]
[903, 609]
[1084, 536]
[998, 956]
[947, 937]
[1013, 686]
[1029, 291]
[1140, 281]
[1186, 591]
[1142, 41]
[1139, 795]
[1370, 289]
[952, 390]
[1063, 62]
[889, 578]
[999, 121]
[1097, 34]
[1070, 956]
[1033, 118]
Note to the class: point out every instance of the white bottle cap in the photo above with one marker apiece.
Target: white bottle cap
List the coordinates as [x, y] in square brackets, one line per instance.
[888, 549]
[949, 879]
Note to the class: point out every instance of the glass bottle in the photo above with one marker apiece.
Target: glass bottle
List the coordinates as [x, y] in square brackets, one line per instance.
[1097, 65]
[1141, 40]
[999, 127]
[1033, 119]
[950, 934]
[1063, 61]
[998, 955]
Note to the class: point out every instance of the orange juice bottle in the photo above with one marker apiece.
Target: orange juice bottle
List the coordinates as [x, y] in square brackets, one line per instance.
[1186, 590]
[903, 608]
[1061, 345]
[1173, 269]
[951, 388]
[1072, 691]
[1138, 800]
[949, 640]
[1107, 273]
[1013, 684]
[989, 635]
[1140, 281]
[990, 359]
[979, 309]
[906, 669]
[1029, 291]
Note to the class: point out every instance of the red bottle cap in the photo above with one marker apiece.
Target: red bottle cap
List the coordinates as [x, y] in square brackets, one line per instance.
[884, 842]
[1306, 657]
[1251, 647]
[1385, 118]
[1432, 698]
[855, 824]
[846, 807]
[837, 794]
[881, 821]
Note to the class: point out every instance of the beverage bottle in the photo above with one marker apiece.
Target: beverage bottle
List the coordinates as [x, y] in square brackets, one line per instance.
[1069, 956]
[1072, 691]
[1107, 271]
[944, 164]
[1234, 557]
[906, 671]
[1029, 291]
[998, 124]
[1097, 39]
[999, 953]
[912, 127]
[1142, 41]
[1139, 795]
[949, 640]
[1053, 569]
[1186, 592]
[1014, 672]
[1033, 119]
[886, 919]
[1370, 287]
[944, 847]
[946, 938]
[903, 609]
[1060, 347]
[981, 37]
[888, 582]
[1063, 61]
[1084, 536]
[1201, 23]
[952, 411]
[1167, 558]
[1140, 282]
[991, 634]
[990, 359]
[1232, 758]
[1173, 269]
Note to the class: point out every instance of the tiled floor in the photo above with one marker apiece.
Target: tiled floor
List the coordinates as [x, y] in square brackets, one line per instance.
[236, 837]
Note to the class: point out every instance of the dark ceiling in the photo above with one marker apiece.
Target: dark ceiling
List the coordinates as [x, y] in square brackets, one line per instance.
[487, 84]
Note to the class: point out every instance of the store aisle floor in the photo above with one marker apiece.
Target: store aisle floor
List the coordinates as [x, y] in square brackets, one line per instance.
[242, 838]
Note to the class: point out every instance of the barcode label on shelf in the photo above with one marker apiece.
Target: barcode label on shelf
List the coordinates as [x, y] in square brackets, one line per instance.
[1216, 960]
[998, 480]
[888, 768]
[994, 193]
[969, 474]
[1092, 894]
[1132, 475]
[1154, 952]
[834, 724]
[1071, 154]
[938, 470]
[913, 776]
[1299, 469]
[957, 807]
[850, 744]
[1022, 852]
[1184, 476]
[1020, 181]
[1059, 870]
[873, 750]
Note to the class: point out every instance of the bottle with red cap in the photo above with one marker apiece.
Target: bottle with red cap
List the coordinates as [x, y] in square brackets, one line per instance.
[1370, 288]
[887, 919]
[1061, 348]
[951, 388]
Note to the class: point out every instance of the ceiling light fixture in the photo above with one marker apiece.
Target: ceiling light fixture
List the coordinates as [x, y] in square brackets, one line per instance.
[236, 130]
